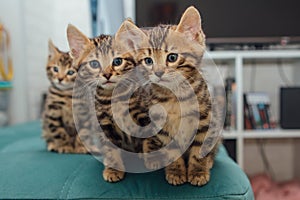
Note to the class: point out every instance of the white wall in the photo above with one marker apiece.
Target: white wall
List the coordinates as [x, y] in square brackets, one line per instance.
[129, 9]
[11, 15]
[46, 19]
[297, 158]
[110, 20]
[280, 154]
[31, 23]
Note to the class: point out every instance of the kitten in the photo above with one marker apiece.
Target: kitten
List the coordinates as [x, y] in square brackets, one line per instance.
[58, 126]
[102, 65]
[172, 55]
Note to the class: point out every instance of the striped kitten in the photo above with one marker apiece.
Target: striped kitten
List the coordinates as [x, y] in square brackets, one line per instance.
[172, 55]
[102, 65]
[58, 125]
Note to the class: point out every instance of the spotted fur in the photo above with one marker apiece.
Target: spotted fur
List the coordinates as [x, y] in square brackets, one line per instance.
[58, 126]
[102, 64]
[96, 59]
[172, 54]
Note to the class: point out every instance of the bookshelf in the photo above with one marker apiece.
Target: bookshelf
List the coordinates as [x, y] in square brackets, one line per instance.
[238, 60]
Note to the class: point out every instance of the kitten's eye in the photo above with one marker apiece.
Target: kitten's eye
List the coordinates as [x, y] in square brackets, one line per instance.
[148, 61]
[172, 57]
[70, 72]
[55, 69]
[95, 64]
[117, 62]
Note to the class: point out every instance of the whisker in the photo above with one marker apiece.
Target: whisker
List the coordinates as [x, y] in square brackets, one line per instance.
[84, 89]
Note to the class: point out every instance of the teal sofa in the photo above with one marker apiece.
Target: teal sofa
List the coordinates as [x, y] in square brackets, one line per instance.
[28, 171]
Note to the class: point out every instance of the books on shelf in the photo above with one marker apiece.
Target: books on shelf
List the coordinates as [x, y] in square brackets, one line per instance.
[257, 110]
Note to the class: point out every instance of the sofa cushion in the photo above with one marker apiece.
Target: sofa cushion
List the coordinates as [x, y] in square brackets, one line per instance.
[28, 171]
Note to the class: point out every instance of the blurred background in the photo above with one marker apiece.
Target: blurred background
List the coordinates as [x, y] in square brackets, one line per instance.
[228, 26]
[30, 24]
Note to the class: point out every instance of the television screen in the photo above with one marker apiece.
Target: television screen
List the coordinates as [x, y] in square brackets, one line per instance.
[230, 21]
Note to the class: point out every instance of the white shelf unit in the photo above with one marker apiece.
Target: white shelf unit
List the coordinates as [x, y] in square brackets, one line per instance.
[239, 58]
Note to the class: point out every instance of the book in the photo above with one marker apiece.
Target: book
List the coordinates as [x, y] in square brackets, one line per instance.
[264, 115]
[257, 110]
[248, 121]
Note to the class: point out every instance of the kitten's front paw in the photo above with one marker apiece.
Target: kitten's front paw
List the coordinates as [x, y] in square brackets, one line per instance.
[65, 149]
[81, 150]
[198, 178]
[51, 147]
[60, 149]
[153, 165]
[112, 175]
[153, 162]
[176, 178]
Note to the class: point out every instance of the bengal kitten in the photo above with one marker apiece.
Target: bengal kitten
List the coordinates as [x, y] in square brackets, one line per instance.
[58, 125]
[101, 66]
[172, 55]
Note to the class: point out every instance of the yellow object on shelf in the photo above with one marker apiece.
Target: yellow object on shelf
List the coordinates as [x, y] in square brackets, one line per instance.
[6, 66]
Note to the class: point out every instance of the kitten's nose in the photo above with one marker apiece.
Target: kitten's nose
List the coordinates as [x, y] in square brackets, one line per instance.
[159, 73]
[60, 79]
[107, 75]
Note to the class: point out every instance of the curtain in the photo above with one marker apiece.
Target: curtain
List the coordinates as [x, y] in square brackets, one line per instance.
[107, 16]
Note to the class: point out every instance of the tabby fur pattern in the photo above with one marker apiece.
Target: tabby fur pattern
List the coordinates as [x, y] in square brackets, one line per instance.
[169, 53]
[165, 55]
[101, 65]
[58, 125]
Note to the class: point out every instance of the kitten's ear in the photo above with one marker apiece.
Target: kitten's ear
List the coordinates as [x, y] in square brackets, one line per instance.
[130, 35]
[52, 49]
[128, 19]
[78, 42]
[190, 24]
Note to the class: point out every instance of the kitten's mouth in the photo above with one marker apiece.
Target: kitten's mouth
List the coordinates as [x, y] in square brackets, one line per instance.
[108, 82]
[63, 86]
[108, 85]
[162, 80]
